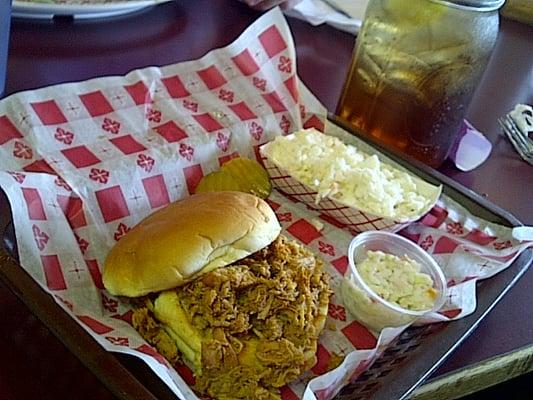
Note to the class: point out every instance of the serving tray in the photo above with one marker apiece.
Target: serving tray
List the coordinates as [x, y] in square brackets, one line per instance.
[422, 348]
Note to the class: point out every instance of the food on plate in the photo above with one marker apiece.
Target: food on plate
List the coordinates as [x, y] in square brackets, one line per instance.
[214, 284]
[239, 174]
[396, 280]
[343, 173]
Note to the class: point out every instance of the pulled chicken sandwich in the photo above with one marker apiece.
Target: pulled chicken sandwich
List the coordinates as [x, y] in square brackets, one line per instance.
[216, 286]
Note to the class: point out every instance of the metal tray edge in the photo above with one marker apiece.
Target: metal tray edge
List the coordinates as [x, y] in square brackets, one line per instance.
[119, 380]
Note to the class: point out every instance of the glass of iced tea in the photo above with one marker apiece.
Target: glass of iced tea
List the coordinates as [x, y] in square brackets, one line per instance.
[415, 68]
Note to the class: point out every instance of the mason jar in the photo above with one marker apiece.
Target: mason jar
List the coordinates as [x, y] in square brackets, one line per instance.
[415, 68]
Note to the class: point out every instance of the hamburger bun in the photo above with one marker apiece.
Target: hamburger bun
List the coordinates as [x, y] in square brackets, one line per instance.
[188, 238]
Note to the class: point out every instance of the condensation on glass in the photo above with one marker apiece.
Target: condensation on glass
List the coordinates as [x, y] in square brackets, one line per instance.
[414, 71]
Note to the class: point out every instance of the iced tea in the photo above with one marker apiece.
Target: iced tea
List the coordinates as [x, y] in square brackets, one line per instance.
[416, 66]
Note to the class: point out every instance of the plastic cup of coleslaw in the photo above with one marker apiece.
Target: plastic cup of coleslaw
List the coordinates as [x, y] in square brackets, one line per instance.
[390, 281]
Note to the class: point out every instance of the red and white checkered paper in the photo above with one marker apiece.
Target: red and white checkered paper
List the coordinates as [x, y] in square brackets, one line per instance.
[82, 163]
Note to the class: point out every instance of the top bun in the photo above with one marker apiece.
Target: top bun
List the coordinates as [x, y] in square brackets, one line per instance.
[188, 238]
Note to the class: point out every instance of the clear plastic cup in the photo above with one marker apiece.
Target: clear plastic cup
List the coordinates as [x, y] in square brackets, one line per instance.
[365, 304]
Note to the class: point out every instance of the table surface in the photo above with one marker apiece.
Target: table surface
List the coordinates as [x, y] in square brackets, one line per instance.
[48, 52]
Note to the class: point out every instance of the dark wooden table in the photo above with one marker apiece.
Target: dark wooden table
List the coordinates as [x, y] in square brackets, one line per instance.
[48, 52]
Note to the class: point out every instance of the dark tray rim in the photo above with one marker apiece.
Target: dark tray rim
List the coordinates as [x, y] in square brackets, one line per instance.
[119, 379]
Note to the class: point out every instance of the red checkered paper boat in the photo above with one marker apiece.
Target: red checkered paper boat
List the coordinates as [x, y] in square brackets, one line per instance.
[343, 214]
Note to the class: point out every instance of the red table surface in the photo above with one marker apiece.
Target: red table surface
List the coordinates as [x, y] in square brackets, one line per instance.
[36, 365]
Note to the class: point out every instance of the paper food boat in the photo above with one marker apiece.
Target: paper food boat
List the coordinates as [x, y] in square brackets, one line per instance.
[344, 216]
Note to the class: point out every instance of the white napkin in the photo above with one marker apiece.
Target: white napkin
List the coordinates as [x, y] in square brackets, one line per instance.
[341, 14]
[471, 148]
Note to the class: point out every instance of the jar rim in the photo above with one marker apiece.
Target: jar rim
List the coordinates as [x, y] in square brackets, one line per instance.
[473, 5]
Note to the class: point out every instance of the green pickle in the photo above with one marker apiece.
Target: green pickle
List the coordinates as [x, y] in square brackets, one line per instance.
[239, 174]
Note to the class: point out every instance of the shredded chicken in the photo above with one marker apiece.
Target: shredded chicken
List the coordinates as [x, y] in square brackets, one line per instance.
[260, 319]
[149, 329]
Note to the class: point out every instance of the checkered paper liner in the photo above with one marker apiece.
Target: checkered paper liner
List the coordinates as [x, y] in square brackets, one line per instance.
[82, 163]
[341, 215]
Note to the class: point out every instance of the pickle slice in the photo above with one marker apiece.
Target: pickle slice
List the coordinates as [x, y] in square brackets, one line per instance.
[251, 176]
[239, 174]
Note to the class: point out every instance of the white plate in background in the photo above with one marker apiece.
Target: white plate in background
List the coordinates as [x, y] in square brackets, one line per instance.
[78, 8]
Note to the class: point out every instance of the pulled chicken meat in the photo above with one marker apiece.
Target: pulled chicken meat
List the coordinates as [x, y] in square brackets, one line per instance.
[259, 318]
